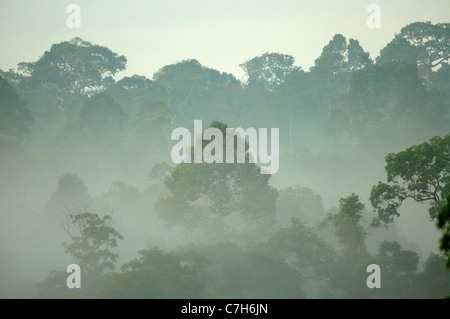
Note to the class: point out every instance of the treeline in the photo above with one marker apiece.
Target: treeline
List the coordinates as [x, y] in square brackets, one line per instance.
[242, 236]
[256, 241]
[72, 95]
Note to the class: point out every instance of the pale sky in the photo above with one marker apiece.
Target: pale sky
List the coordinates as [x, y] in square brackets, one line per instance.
[220, 34]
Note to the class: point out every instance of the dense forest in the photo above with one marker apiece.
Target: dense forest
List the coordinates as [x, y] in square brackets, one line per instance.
[364, 175]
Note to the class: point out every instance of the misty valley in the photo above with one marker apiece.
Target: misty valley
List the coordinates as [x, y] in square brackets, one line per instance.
[105, 173]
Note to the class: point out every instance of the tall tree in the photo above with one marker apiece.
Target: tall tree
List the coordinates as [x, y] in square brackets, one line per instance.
[299, 202]
[425, 44]
[299, 245]
[135, 91]
[76, 66]
[399, 268]
[159, 274]
[381, 94]
[246, 273]
[201, 192]
[339, 57]
[72, 193]
[101, 120]
[294, 102]
[347, 225]
[268, 70]
[92, 240]
[332, 70]
[443, 223]
[72, 68]
[153, 121]
[434, 281]
[421, 172]
[187, 84]
[15, 118]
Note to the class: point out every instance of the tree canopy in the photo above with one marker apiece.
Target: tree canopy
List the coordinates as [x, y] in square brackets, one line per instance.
[421, 172]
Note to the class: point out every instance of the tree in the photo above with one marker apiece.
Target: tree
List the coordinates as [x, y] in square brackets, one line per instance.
[187, 85]
[347, 226]
[400, 50]
[434, 280]
[339, 57]
[135, 91]
[12, 77]
[440, 81]
[159, 173]
[421, 172]
[268, 70]
[92, 239]
[57, 84]
[294, 99]
[331, 72]
[153, 121]
[381, 94]
[101, 121]
[235, 272]
[75, 67]
[15, 118]
[159, 274]
[357, 58]
[425, 44]
[399, 269]
[202, 193]
[71, 194]
[299, 245]
[299, 202]
[443, 223]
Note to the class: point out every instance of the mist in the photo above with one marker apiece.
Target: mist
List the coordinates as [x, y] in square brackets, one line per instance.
[87, 176]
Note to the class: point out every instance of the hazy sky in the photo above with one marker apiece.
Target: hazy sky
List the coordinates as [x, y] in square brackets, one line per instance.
[221, 34]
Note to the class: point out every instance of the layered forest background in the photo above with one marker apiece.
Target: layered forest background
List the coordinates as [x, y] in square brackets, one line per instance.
[87, 178]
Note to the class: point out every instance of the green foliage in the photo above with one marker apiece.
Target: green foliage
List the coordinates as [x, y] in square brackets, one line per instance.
[434, 281]
[153, 122]
[347, 278]
[91, 240]
[268, 70]
[135, 91]
[347, 224]
[398, 270]
[75, 67]
[440, 79]
[247, 273]
[160, 172]
[101, 121]
[443, 223]
[387, 95]
[330, 75]
[299, 245]
[158, 274]
[404, 261]
[15, 119]
[239, 106]
[339, 56]
[58, 82]
[299, 202]
[187, 85]
[220, 189]
[421, 43]
[71, 194]
[399, 49]
[76, 103]
[421, 172]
